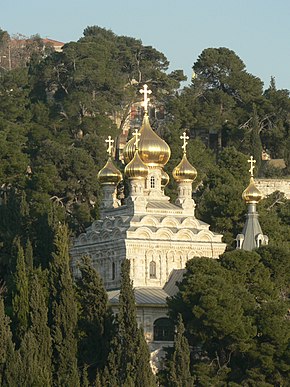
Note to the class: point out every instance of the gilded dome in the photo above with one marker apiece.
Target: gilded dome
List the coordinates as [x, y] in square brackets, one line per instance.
[152, 149]
[252, 195]
[164, 178]
[136, 169]
[184, 171]
[109, 174]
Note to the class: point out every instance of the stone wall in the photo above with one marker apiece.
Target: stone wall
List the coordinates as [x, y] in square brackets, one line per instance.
[268, 186]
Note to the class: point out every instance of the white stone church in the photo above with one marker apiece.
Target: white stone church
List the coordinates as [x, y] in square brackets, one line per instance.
[158, 237]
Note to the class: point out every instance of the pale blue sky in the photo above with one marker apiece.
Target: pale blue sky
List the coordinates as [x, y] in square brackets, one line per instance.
[256, 30]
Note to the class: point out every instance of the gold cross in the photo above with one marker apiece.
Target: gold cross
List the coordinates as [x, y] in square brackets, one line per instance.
[110, 142]
[252, 162]
[145, 91]
[184, 137]
[136, 134]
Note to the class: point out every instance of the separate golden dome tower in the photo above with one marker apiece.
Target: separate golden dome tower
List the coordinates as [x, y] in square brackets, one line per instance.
[184, 174]
[109, 177]
[251, 236]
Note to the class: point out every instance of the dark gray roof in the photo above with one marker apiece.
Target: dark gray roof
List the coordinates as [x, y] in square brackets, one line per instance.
[161, 204]
[152, 295]
[143, 296]
[251, 229]
[175, 276]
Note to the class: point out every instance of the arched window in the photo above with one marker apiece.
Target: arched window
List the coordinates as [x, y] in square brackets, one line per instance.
[152, 269]
[163, 329]
[113, 271]
[152, 182]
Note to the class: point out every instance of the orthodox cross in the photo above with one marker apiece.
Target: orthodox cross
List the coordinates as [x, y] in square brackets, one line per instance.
[145, 91]
[136, 134]
[184, 137]
[110, 142]
[252, 162]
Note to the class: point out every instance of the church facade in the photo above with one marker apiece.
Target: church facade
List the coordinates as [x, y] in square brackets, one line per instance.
[157, 237]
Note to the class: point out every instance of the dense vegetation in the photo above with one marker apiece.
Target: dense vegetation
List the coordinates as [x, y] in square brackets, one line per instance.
[56, 109]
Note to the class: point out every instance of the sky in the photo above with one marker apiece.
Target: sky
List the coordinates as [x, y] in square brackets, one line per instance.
[258, 31]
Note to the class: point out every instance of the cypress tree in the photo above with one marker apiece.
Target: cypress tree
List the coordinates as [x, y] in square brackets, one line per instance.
[6, 344]
[95, 319]
[129, 354]
[39, 333]
[179, 366]
[29, 255]
[20, 300]
[63, 314]
[144, 374]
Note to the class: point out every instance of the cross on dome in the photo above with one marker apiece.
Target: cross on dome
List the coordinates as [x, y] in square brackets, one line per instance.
[184, 137]
[110, 142]
[145, 91]
[136, 134]
[252, 162]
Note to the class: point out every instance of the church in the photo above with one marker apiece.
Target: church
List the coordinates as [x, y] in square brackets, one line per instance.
[157, 237]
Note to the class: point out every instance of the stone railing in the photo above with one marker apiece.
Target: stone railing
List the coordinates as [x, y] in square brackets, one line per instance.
[268, 186]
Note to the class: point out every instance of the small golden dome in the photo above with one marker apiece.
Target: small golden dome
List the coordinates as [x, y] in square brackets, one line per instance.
[109, 174]
[164, 178]
[252, 195]
[184, 171]
[152, 149]
[136, 169]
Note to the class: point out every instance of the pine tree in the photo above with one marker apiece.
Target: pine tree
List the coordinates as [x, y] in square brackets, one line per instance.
[179, 366]
[95, 320]
[20, 301]
[63, 314]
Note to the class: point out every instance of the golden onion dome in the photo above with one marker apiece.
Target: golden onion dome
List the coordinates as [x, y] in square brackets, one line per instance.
[184, 171]
[152, 149]
[164, 178]
[252, 195]
[109, 174]
[136, 169]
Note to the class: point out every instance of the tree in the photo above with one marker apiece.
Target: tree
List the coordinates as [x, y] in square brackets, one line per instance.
[20, 300]
[179, 364]
[125, 367]
[63, 314]
[36, 346]
[95, 322]
[7, 351]
[219, 199]
[236, 318]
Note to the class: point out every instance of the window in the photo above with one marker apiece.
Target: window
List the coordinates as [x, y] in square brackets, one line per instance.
[113, 270]
[152, 182]
[163, 329]
[152, 269]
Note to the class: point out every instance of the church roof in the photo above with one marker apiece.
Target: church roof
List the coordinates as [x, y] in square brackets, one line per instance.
[161, 204]
[171, 285]
[251, 230]
[152, 295]
[143, 296]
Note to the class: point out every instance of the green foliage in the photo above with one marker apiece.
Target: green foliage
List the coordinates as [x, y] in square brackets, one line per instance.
[6, 345]
[235, 314]
[124, 367]
[63, 314]
[20, 300]
[219, 200]
[179, 364]
[95, 320]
